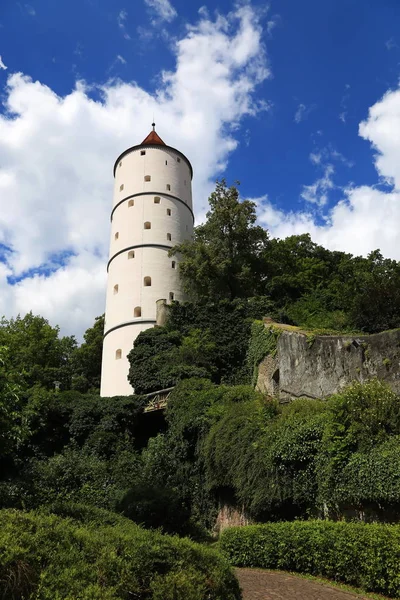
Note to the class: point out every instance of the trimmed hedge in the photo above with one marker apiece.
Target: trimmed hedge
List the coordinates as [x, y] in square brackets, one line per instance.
[363, 555]
[45, 557]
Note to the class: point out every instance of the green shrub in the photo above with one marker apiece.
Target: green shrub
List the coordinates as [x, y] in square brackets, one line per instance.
[362, 417]
[363, 555]
[88, 515]
[45, 557]
[371, 477]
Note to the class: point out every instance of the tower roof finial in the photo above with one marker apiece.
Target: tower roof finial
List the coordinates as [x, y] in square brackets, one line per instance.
[153, 126]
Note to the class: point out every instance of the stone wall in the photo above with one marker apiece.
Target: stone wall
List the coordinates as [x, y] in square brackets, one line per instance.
[319, 366]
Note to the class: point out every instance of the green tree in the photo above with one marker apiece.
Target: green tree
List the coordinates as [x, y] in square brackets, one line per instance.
[86, 360]
[36, 351]
[376, 303]
[225, 257]
[12, 430]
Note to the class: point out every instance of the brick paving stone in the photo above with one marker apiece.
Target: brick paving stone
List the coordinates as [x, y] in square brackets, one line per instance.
[271, 585]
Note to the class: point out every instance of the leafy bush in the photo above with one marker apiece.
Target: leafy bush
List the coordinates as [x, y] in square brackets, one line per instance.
[76, 476]
[371, 477]
[361, 417]
[45, 557]
[366, 556]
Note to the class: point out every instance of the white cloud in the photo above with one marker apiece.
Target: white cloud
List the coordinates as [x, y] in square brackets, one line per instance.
[316, 157]
[121, 20]
[57, 153]
[366, 218]
[302, 113]
[163, 9]
[119, 60]
[27, 9]
[2, 65]
[391, 43]
[317, 193]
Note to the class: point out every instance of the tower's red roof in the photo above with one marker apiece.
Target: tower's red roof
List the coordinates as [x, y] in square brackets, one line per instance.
[153, 138]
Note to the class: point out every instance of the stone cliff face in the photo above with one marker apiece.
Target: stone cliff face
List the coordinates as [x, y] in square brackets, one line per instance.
[317, 367]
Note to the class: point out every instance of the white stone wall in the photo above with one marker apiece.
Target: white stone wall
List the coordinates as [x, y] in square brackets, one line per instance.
[133, 206]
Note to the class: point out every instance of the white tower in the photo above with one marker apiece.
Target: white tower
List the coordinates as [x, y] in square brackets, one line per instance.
[152, 211]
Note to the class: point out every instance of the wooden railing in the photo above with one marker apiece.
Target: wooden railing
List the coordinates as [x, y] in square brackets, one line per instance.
[157, 400]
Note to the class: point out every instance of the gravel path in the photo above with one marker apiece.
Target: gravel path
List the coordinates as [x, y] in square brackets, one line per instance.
[269, 585]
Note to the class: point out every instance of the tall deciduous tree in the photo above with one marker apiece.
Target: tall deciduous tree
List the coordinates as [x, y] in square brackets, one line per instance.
[86, 360]
[225, 257]
[36, 351]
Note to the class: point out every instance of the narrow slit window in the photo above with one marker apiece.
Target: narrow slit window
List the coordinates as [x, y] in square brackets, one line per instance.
[116, 236]
[121, 187]
[178, 159]
[118, 354]
[120, 164]
[131, 203]
[184, 182]
[147, 178]
[147, 281]
[147, 225]
[169, 187]
[169, 212]
[157, 199]
[137, 312]
[169, 237]
[171, 295]
[166, 162]
[116, 289]
[142, 152]
[131, 254]
[173, 264]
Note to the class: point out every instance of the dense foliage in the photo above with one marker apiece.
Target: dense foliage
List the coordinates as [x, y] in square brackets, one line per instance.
[199, 340]
[46, 557]
[219, 441]
[309, 457]
[39, 356]
[231, 257]
[358, 554]
[225, 258]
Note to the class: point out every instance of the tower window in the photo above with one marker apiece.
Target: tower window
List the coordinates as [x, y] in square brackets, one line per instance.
[137, 312]
[147, 178]
[121, 187]
[120, 164]
[142, 152]
[147, 225]
[147, 281]
[118, 354]
[116, 289]
[157, 199]
[131, 203]
[116, 236]
[173, 264]
[166, 162]
[178, 159]
[168, 187]
[131, 254]
[184, 182]
[169, 237]
[169, 212]
[171, 295]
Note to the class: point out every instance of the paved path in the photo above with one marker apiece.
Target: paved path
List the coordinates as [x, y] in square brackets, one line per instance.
[269, 585]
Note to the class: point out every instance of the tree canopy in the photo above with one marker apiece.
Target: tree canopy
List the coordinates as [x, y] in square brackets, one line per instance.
[225, 257]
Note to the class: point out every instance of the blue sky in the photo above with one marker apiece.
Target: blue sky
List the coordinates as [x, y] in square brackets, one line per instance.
[297, 100]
